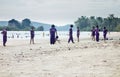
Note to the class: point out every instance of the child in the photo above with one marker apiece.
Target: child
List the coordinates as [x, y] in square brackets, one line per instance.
[105, 33]
[4, 32]
[70, 34]
[53, 33]
[57, 39]
[32, 34]
[78, 33]
[93, 33]
[97, 33]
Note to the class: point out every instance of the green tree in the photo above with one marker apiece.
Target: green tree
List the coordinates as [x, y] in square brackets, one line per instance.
[1, 27]
[26, 23]
[12, 28]
[82, 23]
[93, 21]
[118, 28]
[14, 23]
[40, 28]
[86, 23]
[99, 21]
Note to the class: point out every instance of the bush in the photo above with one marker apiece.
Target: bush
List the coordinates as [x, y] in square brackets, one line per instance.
[118, 28]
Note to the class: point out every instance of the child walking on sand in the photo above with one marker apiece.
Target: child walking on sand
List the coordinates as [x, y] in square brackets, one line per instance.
[70, 34]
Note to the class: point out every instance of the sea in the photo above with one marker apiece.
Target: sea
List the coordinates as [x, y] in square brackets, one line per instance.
[43, 34]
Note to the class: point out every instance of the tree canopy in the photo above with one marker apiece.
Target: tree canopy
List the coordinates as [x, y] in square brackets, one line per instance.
[25, 25]
[86, 23]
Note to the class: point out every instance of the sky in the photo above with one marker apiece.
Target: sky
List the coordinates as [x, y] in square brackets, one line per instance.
[58, 12]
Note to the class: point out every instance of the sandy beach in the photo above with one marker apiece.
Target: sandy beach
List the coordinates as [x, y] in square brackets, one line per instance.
[86, 58]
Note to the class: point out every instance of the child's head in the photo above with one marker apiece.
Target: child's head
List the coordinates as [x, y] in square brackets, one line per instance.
[57, 37]
[104, 27]
[53, 26]
[97, 26]
[71, 26]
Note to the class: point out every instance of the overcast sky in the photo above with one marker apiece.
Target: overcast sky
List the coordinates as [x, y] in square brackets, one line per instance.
[58, 12]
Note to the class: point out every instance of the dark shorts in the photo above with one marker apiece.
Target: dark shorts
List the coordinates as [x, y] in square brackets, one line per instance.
[32, 37]
[4, 38]
[93, 34]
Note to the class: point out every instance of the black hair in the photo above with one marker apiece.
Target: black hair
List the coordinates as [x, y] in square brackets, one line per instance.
[53, 25]
[104, 27]
[71, 25]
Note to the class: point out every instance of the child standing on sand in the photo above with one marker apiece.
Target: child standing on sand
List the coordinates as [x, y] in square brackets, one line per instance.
[105, 33]
[32, 34]
[78, 33]
[4, 32]
[97, 33]
[53, 33]
[93, 33]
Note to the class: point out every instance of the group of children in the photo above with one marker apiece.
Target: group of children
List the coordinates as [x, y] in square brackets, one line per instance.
[95, 33]
[54, 37]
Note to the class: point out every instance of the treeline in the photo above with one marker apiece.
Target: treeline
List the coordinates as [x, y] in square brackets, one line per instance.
[111, 22]
[25, 25]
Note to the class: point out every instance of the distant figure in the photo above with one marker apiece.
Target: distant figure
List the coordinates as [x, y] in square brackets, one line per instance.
[97, 33]
[105, 33]
[78, 33]
[12, 35]
[17, 35]
[43, 34]
[32, 34]
[70, 34]
[93, 33]
[53, 34]
[4, 32]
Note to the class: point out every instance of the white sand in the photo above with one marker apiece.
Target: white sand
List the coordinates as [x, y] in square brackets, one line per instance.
[84, 59]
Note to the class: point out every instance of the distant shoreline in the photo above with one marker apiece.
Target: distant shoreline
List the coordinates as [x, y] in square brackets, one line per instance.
[62, 35]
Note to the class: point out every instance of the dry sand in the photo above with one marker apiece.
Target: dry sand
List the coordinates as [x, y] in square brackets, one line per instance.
[84, 59]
